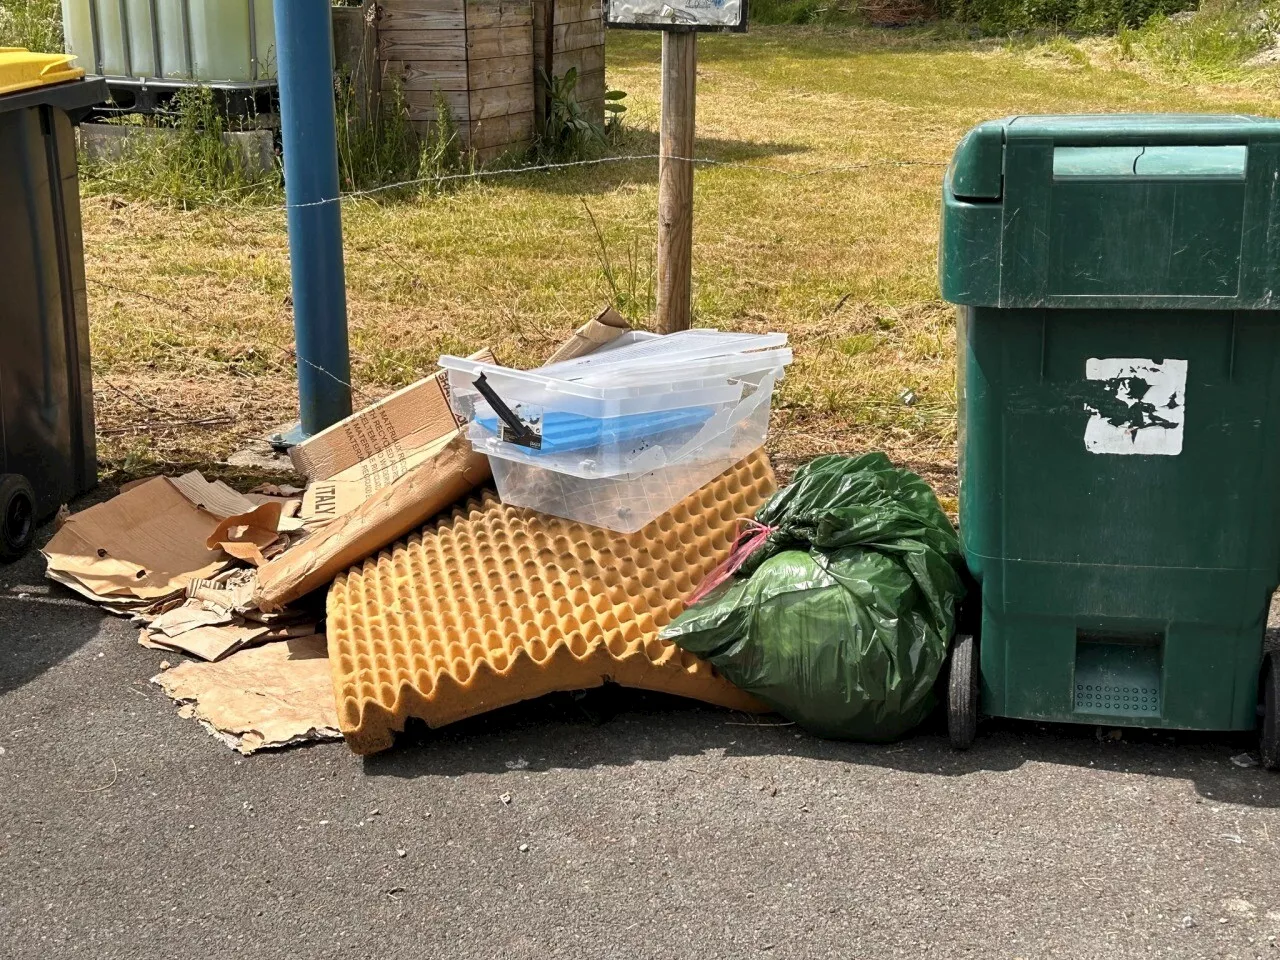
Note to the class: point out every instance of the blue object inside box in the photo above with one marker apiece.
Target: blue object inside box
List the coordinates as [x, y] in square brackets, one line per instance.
[562, 432]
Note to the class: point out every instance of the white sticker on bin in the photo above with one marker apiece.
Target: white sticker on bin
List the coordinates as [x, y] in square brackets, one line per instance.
[1138, 406]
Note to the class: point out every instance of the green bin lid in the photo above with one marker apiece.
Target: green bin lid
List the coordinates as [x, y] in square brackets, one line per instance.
[977, 168]
[1114, 210]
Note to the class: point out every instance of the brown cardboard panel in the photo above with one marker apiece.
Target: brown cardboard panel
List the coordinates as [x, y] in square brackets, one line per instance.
[391, 513]
[144, 545]
[271, 696]
[386, 471]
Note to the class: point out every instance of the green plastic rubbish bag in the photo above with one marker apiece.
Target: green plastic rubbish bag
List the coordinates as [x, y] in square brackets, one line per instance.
[841, 615]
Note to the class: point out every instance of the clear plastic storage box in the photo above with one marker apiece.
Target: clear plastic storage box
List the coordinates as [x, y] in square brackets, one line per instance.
[620, 435]
[629, 410]
[626, 503]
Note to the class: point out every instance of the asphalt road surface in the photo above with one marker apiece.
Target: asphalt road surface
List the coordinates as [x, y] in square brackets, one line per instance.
[637, 826]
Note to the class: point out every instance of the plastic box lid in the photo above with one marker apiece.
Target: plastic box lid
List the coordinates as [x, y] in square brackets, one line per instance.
[589, 399]
[674, 352]
[611, 390]
[691, 373]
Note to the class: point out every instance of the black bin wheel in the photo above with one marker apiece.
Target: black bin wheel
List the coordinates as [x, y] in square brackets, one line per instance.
[1269, 702]
[962, 692]
[17, 516]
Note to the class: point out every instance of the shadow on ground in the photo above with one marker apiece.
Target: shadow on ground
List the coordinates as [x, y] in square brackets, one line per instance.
[41, 624]
[613, 726]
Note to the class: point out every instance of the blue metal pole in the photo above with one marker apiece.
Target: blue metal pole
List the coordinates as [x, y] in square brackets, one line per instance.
[304, 57]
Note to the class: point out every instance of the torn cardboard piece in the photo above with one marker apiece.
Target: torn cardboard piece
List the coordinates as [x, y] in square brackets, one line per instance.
[231, 591]
[265, 698]
[211, 496]
[140, 547]
[604, 327]
[255, 535]
[289, 498]
[208, 626]
[218, 617]
[285, 490]
[211, 643]
[195, 627]
[214, 642]
[397, 510]
[121, 606]
[374, 477]
[189, 616]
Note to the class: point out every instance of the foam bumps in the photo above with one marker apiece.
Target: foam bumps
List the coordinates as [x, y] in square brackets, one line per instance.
[498, 604]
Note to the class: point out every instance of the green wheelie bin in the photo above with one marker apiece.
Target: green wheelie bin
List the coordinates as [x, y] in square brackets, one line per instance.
[1118, 284]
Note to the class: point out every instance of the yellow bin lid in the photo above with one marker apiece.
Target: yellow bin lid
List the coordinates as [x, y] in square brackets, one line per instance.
[21, 69]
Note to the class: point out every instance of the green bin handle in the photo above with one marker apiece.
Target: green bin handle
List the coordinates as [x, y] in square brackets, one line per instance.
[977, 170]
[1141, 130]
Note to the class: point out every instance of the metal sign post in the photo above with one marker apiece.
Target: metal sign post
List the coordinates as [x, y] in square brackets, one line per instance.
[679, 21]
[304, 50]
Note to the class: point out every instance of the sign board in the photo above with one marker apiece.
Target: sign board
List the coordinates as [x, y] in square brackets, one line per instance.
[690, 14]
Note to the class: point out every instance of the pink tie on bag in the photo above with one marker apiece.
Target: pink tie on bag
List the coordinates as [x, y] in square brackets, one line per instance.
[751, 535]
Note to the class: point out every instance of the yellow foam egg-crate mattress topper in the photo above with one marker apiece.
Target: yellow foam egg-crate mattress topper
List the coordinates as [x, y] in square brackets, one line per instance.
[499, 604]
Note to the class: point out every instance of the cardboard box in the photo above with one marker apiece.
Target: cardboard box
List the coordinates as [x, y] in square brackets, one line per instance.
[139, 548]
[375, 476]
[373, 448]
[384, 472]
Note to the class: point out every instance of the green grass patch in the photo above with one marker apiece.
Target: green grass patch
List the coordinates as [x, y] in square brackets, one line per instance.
[993, 17]
[375, 153]
[185, 159]
[1089, 16]
[34, 24]
[804, 12]
[1214, 43]
[809, 226]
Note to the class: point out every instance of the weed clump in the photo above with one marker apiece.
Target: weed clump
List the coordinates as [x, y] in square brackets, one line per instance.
[1086, 16]
[182, 157]
[33, 24]
[1211, 43]
[384, 152]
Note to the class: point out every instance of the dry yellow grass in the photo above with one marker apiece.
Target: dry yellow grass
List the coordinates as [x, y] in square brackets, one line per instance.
[190, 311]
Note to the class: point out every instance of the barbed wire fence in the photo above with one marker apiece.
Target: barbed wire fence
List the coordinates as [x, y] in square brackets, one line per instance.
[521, 171]
[160, 421]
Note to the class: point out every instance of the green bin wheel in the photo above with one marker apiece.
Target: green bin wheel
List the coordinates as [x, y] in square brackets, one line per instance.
[1269, 734]
[17, 516]
[962, 692]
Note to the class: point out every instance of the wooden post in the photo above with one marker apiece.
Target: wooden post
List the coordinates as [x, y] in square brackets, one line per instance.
[355, 54]
[675, 180]
[544, 59]
[370, 90]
